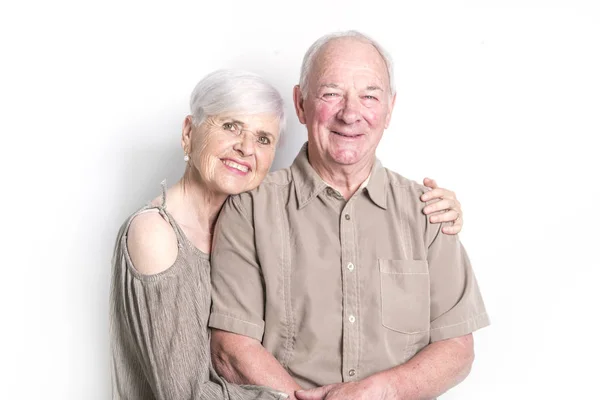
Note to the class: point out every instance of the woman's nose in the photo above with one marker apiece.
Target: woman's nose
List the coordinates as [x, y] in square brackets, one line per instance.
[245, 145]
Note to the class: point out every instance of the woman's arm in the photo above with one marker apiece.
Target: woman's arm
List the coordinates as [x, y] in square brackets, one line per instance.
[443, 206]
[160, 342]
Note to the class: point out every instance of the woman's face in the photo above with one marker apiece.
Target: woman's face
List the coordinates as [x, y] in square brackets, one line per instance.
[231, 153]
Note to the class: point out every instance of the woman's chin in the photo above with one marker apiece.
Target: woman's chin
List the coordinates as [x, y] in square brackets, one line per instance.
[235, 186]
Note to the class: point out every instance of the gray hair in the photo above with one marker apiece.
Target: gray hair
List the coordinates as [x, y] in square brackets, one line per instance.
[227, 90]
[313, 50]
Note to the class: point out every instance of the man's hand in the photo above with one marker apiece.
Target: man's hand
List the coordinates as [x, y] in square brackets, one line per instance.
[435, 369]
[365, 389]
[445, 209]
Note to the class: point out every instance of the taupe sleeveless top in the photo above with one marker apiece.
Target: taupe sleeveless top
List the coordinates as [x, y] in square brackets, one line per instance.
[158, 327]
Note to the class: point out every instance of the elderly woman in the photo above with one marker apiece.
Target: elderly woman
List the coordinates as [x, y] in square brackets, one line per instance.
[160, 294]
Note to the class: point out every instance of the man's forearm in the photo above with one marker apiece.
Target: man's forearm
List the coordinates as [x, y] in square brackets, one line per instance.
[433, 371]
[244, 360]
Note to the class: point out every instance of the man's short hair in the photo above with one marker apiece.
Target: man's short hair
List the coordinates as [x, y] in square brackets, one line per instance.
[313, 50]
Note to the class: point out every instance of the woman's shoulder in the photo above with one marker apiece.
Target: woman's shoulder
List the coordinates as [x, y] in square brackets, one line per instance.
[151, 243]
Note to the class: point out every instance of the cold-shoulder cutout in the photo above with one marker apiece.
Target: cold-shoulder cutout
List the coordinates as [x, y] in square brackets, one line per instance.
[151, 243]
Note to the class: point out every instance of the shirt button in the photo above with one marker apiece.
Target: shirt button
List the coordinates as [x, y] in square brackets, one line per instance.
[352, 319]
[351, 266]
[352, 372]
[347, 216]
[330, 191]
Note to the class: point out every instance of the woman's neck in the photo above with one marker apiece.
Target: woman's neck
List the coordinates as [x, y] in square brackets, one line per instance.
[195, 208]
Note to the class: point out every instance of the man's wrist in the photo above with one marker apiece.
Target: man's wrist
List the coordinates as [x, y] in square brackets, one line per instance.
[394, 383]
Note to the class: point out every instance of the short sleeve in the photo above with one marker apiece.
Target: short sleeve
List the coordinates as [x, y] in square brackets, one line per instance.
[237, 282]
[457, 307]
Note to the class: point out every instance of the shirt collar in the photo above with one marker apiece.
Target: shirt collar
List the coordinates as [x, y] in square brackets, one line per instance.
[377, 185]
[309, 184]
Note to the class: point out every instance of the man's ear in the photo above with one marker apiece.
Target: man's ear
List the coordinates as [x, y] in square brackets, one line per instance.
[299, 104]
[388, 118]
[186, 135]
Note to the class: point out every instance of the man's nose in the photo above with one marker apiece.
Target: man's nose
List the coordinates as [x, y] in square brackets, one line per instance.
[350, 111]
[245, 145]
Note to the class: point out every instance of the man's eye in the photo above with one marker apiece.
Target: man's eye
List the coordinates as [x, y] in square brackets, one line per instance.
[330, 95]
[369, 97]
[264, 140]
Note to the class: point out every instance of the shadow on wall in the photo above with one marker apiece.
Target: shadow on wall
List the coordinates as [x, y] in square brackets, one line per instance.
[150, 153]
[294, 138]
[143, 169]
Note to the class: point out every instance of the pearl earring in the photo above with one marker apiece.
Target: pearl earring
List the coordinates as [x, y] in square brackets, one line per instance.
[186, 158]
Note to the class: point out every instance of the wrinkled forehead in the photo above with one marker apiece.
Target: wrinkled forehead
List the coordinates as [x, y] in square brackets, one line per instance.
[348, 58]
[267, 123]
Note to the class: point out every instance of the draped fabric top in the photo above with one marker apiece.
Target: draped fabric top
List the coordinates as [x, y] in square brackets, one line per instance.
[158, 328]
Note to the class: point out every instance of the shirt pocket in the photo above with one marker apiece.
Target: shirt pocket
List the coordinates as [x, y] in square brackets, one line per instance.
[405, 299]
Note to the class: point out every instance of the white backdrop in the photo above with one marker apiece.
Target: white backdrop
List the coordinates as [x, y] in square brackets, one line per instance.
[497, 100]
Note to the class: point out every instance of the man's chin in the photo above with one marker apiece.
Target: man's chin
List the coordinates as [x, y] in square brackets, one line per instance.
[347, 157]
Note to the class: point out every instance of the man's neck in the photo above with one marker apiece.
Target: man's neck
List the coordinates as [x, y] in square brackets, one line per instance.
[346, 179]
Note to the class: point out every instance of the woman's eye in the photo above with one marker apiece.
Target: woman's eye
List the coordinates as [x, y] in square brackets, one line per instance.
[264, 140]
[228, 126]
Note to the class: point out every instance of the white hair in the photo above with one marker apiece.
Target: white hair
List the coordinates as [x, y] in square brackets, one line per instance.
[235, 91]
[313, 50]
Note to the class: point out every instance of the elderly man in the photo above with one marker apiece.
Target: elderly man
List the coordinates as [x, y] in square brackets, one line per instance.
[329, 273]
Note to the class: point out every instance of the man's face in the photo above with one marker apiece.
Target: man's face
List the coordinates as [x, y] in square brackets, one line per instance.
[348, 104]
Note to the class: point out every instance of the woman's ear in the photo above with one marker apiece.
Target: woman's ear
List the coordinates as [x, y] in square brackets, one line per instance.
[186, 135]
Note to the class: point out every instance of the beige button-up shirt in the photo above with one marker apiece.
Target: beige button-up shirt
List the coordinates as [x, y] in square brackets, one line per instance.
[338, 290]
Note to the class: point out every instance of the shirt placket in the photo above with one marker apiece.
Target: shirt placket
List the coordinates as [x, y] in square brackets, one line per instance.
[349, 269]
